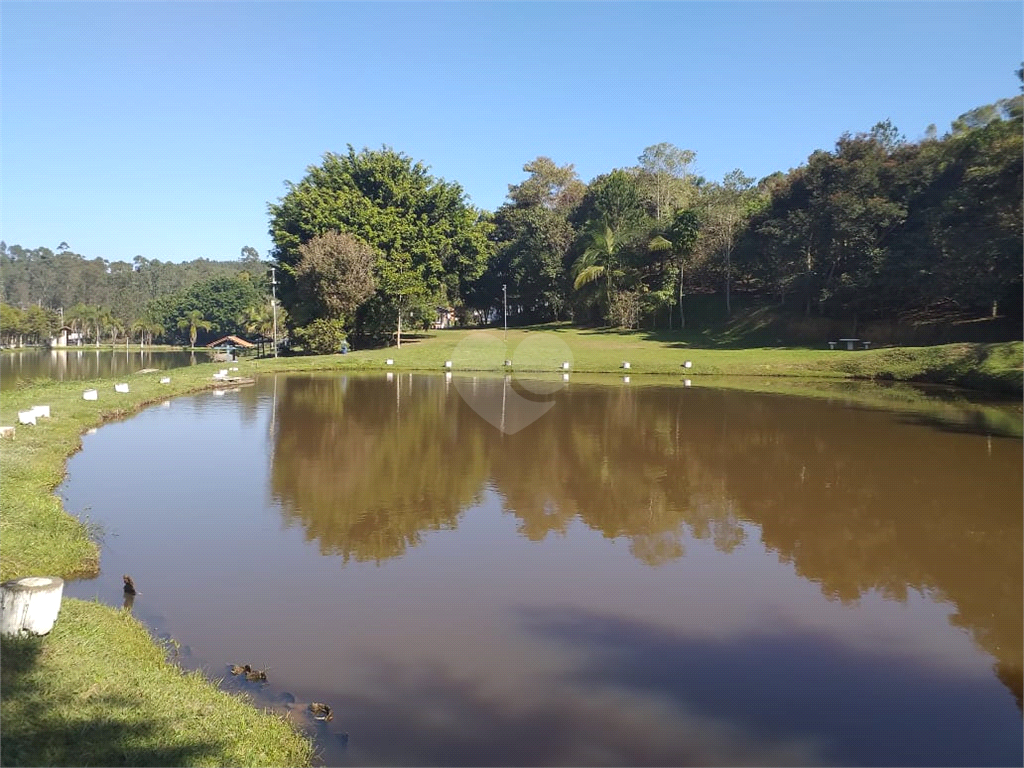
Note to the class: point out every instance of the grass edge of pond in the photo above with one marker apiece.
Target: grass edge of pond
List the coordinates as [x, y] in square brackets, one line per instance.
[63, 703]
[99, 689]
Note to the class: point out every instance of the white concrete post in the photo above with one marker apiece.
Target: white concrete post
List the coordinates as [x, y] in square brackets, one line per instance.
[30, 605]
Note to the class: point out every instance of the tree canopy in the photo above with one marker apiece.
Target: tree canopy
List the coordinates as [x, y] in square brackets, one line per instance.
[431, 243]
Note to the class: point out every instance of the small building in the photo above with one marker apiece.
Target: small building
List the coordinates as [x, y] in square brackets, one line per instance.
[445, 318]
[230, 345]
[66, 336]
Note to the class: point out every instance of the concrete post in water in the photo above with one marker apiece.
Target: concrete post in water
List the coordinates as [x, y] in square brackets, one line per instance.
[30, 605]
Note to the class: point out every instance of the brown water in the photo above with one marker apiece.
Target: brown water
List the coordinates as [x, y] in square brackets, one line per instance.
[78, 363]
[643, 575]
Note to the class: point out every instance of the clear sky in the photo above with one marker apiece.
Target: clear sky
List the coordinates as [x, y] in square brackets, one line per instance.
[164, 129]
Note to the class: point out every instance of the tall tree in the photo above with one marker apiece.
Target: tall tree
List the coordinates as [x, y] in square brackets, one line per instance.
[726, 207]
[601, 261]
[550, 186]
[430, 242]
[194, 322]
[682, 237]
[665, 168]
[334, 276]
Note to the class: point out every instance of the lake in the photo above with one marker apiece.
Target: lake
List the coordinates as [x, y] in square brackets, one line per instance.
[80, 363]
[635, 574]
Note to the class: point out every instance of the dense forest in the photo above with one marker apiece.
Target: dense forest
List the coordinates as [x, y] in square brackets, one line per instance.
[369, 243]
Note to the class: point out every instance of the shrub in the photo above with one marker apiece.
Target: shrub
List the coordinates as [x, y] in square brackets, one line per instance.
[322, 336]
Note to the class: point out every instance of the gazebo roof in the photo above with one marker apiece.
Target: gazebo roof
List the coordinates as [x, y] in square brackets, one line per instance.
[230, 339]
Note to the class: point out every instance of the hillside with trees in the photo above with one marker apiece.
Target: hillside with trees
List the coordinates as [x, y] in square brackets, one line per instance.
[877, 229]
[369, 244]
[107, 302]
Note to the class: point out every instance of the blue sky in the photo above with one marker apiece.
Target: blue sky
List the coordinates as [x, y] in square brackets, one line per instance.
[164, 129]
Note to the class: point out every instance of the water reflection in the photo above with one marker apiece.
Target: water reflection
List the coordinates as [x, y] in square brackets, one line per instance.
[644, 575]
[856, 501]
[80, 363]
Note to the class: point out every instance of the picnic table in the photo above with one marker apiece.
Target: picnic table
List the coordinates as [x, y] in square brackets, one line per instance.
[849, 343]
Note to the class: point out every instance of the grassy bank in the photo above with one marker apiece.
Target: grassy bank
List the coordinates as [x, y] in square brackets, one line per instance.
[97, 690]
[990, 367]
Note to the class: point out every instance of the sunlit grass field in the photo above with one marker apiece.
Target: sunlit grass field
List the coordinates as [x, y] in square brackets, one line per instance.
[993, 367]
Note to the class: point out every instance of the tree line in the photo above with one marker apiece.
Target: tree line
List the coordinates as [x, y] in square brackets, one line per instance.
[369, 244]
[146, 300]
[878, 228]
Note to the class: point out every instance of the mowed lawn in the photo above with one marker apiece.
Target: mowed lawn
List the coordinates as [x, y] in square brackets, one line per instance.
[994, 367]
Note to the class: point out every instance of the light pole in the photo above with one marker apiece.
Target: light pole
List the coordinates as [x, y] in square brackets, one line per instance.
[504, 302]
[273, 303]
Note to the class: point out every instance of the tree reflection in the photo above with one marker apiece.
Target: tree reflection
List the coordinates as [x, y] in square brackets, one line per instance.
[856, 501]
[365, 481]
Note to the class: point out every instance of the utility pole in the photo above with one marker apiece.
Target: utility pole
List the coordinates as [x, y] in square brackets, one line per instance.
[504, 302]
[273, 303]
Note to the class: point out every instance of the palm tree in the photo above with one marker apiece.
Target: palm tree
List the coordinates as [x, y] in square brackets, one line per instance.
[77, 319]
[115, 326]
[194, 321]
[146, 327]
[258, 319]
[139, 327]
[601, 259]
[101, 318]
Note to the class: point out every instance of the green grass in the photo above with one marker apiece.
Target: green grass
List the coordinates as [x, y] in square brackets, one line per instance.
[991, 367]
[97, 690]
[62, 705]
